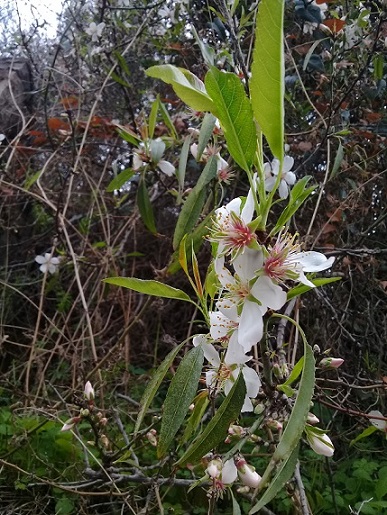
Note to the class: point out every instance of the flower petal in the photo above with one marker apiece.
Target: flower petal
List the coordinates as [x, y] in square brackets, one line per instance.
[167, 168]
[250, 329]
[312, 261]
[271, 295]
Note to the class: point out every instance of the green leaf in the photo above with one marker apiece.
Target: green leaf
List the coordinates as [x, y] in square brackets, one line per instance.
[149, 287]
[218, 426]
[338, 160]
[205, 134]
[153, 117]
[180, 173]
[201, 402]
[295, 426]
[145, 207]
[179, 397]
[303, 288]
[267, 80]
[235, 115]
[194, 203]
[284, 473]
[368, 431]
[167, 119]
[295, 372]
[195, 238]
[186, 85]
[298, 195]
[120, 180]
[154, 384]
[235, 506]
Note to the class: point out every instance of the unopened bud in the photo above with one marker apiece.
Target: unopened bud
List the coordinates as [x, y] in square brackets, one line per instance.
[191, 407]
[152, 438]
[69, 424]
[235, 430]
[247, 474]
[84, 412]
[274, 425]
[103, 421]
[312, 419]
[331, 362]
[320, 443]
[89, 391]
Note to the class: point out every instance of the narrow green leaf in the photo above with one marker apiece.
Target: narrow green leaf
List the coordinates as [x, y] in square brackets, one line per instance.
[235, 506]
[187, 86]
[179, 397]
[189, 215]
[296, 423]
[128, 135]
[195, 238]
[284, 473]
[295, 372]
[235, 115]
[205, 134]
[208, 173]
[364, 434]
[120, 180]
[167, 119]
[303, 288]
[149, 287]
[201, 402]
[153, 117]
[267, 80]
[154, 384]
[145, 207]
[217, 428]
[338, 160]
[180, 173]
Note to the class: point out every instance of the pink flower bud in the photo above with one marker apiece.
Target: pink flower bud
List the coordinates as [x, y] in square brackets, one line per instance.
[274, 425]
[70, 423]
[331, 362]
[247, 474]
[321, 444]
[152, 438]
[89, 391]
[312, 419]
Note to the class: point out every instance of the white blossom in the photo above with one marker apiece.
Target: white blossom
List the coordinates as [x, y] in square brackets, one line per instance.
[288, 178]
[95, 31]
[48, 263]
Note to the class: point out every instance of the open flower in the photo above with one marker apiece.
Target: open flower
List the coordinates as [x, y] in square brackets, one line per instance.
[95, 31]
[151, 151]
[288, 178]
[48, 263]
[230, 227]
[225, 371]
[285, 260]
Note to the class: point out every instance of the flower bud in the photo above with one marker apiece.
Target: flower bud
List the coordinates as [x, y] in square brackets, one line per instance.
[152, 438]
[70, 423]
[274, 425]
[247, 474]
[331, 362]
[321, 444]
[84, 412]
[89, 391]
[312, 419]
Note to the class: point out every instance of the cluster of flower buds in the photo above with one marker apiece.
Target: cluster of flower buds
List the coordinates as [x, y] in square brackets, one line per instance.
[89, 395]
[224, 473]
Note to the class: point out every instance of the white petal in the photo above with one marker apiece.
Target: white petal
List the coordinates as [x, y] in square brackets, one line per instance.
[290, 178]
[313, 261]
[380, 424]
[253, 383]
[211, 355]
[288, 163]
[40, 260]
[275, 164]
[250, 329]
[283, 189]
[166, 167]
[247, 264]
[269, 183]
[234, 205]
[304, 280]
[247, 405]
[156, 149]
[137, 161]
[236, 354]
[225, 277]
[51, 268]
[229, 472]
[271, 295]
[220, 325]
[229, 309]
[43, 268]
[248, 209]
[194, 150]
[55, 260]
[211, 378]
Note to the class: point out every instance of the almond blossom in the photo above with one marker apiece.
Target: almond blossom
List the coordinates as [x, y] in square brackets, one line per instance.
[288, 178]
[48, 263]
[319, 441]
[95, 31]
[225, 370]
[151, 151]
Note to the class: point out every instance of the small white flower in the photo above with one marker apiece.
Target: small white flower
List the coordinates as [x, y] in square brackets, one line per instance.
[380, 424]
[288, 178]
[48, 263]
[89, 391]
[152, 151]
[95, 31]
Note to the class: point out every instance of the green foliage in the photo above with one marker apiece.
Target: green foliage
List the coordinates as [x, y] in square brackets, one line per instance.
[267, 81]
